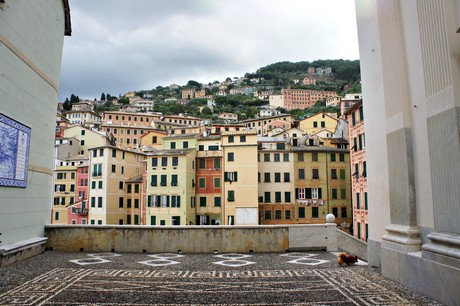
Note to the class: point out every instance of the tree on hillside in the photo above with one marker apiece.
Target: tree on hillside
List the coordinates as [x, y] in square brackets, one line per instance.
[193, 83]
[123, 100]
[103, 97]
[67, 106]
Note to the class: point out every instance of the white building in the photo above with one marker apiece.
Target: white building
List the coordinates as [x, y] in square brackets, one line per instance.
[31, 68]
[410, 78]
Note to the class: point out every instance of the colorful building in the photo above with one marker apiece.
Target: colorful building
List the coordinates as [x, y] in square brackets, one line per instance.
[355, 117]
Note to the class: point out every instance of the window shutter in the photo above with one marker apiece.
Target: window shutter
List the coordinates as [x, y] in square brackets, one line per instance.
[319, 193]
[235, 176]
[178, 201]
[167, 201]
[308, 195]
[226, 176]
[296, 193]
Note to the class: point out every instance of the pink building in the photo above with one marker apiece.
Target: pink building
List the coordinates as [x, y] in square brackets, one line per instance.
[78, 212]
[303, 98]
[355, 118]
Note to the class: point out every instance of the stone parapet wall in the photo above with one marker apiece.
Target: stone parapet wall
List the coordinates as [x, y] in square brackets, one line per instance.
[191, 239]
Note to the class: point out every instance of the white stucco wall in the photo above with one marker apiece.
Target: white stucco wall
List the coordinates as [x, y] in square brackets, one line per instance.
[31, 40]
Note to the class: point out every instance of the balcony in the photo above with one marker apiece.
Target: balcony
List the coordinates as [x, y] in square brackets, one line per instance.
[217, 153]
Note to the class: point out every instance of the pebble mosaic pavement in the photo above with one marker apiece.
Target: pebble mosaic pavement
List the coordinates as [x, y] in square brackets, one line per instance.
[313, 278]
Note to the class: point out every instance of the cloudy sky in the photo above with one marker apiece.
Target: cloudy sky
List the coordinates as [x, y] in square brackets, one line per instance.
[119, 46]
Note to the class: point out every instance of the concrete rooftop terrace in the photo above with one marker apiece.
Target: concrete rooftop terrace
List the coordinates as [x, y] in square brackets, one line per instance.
[291, 278]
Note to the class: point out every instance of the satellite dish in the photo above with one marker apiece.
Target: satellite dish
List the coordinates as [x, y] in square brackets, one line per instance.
[205, 134]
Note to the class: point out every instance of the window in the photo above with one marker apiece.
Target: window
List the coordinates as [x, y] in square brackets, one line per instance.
[201, 148]
[277, 197]
[277, 214]
[93, 201]
[163, 180]
[355, 145]
[114, 168]
[82, 132]
[301, 174]
[334, 174]
[342, 157]
[358, 201]
[128, 203]
[175, 201]
[93, 185]
[99, 185]
[276, 157]
[231, 195]
[342, 174]
[315, 193]
[287, 214]
[164, 161]
[217, 201]
[175, 161]
[314, 212]
[281, 146]
[56, 215]
[277, 177]
[101, 152]
[129, 188]
[213, 148]
[94, 153]
[136, 188]
[154, 161]
[300, 157]
[287, 177]
[332, 157]
[216, 163]
[344, 212]
[334, 194]
[268, 215]
[173, 145]
[120, 202]
[231, 176]
[361, 114]
[364, 169]
[314, 156]
[202, 182]
[335, 212]
[353, 119]
[323, 124]
[99, 202]
[267, 177]
[266, 157]
[365, 200]
[201, 163]
[185, 144]
[302, 212]
[202, 201]
[217, 182]
[230, 156]
[315, 124]
[287, 196]
[285, 157]
[343, 193]
[154, 139]
[267, 197]
[243, 138]
[231, 139]
[315, 174]
[174, 180]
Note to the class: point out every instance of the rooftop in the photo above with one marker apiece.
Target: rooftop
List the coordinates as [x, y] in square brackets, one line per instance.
[297, 278]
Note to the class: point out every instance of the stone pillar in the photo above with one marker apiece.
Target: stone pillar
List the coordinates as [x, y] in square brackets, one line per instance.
[439, 34]
[403, 233]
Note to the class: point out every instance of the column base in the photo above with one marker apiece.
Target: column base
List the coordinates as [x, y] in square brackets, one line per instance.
[402, 238]
[443, 248]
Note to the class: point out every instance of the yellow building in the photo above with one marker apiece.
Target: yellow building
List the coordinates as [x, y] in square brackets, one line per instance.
[322, 184]
[65, 182]
[275, 177]
[88, 138]
[240, 188]
[170, 187]
[110, 168]
[317, 123]
[153, 139]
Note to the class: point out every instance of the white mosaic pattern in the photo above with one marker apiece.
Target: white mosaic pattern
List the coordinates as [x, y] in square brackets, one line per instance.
[304, 259]
[83, 286]
[233, 260]
[96, 258]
